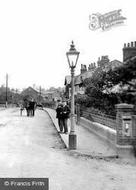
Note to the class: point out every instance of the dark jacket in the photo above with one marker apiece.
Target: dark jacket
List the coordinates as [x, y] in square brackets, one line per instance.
[59, 111]
[32, 105]
[66, 112]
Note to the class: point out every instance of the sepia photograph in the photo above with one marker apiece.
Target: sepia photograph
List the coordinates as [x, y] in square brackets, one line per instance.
[67, 95]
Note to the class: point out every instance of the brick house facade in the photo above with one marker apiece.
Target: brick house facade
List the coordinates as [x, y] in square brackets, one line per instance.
[129, 53]
[103, 63]
[30, 93]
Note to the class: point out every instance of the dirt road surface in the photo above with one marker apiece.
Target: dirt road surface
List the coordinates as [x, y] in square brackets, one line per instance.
[31, 147]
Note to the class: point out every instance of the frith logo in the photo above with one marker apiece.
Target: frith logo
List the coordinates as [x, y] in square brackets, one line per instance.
[106, 21]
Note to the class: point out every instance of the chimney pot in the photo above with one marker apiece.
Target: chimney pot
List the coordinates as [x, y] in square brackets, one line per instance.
[131, 44]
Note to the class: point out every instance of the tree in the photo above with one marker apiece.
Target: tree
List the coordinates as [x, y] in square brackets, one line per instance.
[100, 88]
[123, 75]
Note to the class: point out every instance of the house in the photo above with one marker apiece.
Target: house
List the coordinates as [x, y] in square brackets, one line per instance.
[114, 64]
[67, 84]
[103, 63]
[84, 74]
[30, 93]
[78, 80]
[129, 55]
[129, 51]
[106, 64]
[53, 94]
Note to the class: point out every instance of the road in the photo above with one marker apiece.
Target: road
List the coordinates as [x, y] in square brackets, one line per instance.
[31, 147]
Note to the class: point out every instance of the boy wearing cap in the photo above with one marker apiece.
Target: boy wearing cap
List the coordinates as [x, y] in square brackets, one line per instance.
[59, 111]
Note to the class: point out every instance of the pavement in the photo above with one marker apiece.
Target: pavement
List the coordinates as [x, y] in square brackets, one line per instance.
[88, 144]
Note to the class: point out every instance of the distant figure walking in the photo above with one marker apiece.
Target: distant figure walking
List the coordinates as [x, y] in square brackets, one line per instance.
[32, 107]
[21, 109]
[26, 106]
[59, 111]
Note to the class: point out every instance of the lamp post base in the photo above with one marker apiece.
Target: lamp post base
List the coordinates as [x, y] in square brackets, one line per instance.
[72, 141]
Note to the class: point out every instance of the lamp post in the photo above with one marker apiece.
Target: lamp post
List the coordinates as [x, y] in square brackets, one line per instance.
[72, 56]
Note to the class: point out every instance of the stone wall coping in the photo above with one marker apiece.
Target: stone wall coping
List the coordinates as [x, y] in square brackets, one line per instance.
[124, 106]
[124, 146]
[104, 127]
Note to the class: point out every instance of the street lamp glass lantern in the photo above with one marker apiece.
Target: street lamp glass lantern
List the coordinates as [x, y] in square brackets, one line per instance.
[72, 56]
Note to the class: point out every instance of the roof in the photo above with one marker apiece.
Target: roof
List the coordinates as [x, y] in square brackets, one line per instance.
[131, 59]
[118, 89]
[50, 92]
[29, 89]
[67, 80]
[80, 78]
[115, 63]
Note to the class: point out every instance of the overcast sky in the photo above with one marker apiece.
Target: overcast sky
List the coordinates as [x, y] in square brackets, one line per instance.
[35, 35]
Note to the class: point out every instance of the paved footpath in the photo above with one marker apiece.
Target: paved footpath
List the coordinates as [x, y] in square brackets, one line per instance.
[87, 143]
[31, 147]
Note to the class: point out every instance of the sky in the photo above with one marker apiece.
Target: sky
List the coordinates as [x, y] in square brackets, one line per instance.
[36, 34]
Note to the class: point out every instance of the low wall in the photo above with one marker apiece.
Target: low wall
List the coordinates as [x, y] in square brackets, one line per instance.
[100, 130]
[104, 120]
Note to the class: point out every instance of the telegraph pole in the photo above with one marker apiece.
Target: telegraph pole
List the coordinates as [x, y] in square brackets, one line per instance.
[6, 104]
[40, 92]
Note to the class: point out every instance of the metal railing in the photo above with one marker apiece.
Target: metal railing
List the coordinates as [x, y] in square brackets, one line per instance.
[104, 119]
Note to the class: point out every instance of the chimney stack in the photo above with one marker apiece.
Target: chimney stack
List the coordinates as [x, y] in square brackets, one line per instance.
[83, 68]
[129, 51]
